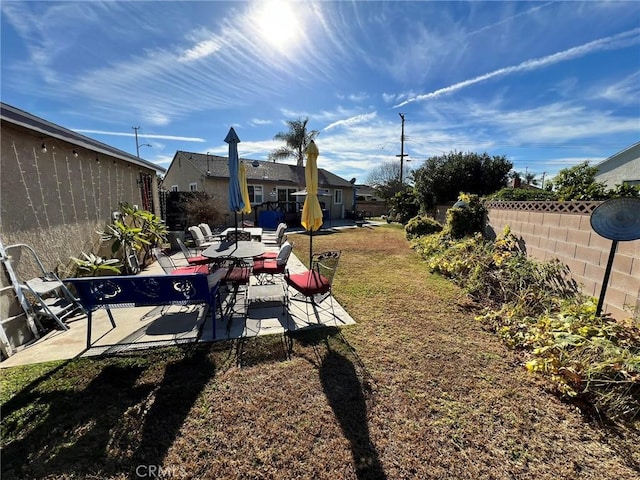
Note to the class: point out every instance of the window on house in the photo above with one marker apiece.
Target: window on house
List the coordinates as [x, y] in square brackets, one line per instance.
[193, 187]
[174, 188]
[632, 183]
[337, 196]
[256, 195]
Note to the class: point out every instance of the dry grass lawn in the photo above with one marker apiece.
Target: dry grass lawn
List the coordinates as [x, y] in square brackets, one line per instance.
[415, 390]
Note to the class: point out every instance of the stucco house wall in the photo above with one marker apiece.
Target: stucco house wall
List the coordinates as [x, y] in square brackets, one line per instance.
[189, 168]
[623, 167]
[56, 200]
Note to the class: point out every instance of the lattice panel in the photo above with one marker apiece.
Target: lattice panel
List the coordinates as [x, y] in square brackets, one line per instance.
[578, 208]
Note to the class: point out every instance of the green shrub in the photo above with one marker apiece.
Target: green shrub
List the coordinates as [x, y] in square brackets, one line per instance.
[523, 194]
[467, 219]
[422, 225]
[624, 190]
[403, 206]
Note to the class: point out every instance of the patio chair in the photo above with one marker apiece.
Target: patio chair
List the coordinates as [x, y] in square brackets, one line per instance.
[278, 240]
[242, 236]
[238, 274]
[214, 275]
[193, 259]
[169, 267]
[314, 285]
[209, 236]
[265, 268]
[198, 238]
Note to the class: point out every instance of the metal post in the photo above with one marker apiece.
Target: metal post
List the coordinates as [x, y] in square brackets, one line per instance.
[607, 273]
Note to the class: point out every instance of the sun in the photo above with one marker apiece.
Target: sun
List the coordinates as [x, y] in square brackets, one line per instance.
[278, 24]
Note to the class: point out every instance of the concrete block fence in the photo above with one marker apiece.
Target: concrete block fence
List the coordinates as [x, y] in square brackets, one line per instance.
[562, 230]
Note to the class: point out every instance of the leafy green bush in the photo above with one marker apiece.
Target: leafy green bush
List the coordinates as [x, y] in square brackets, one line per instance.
[624, 190]
[523, 194]
[422, 225]
[467, 219]
[578, 183]
[403, 206]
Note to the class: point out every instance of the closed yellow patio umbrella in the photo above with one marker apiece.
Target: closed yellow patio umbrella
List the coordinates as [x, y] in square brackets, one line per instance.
[244, 189]
[311, 212]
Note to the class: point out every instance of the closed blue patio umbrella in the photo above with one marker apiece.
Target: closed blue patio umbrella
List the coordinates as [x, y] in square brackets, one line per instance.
[236, 202]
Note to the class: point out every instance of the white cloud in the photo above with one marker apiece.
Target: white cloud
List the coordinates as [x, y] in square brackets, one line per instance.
[200, 50]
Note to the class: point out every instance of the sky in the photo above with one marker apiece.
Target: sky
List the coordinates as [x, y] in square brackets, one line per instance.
[548, 85]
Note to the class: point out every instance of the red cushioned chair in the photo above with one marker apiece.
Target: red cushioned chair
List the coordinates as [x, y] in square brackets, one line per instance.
[314, 285]
[278, 241]
[193, 259]
[238, 275]
[265, 268]
[169, 266]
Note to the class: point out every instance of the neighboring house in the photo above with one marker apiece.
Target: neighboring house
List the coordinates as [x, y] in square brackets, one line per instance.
[621, 168]
[369, 202]
[273, 183]
[57, 189]
[368, 194]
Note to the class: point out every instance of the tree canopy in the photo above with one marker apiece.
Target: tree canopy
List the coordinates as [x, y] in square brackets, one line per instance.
[441, 178]
[385, 178]
[296, 141]
[578, 183]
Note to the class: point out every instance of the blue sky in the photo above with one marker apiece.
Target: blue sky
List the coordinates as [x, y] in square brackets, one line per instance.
[547, 84]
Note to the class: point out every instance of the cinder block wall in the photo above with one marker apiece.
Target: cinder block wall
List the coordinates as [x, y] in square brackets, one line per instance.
[570, 238]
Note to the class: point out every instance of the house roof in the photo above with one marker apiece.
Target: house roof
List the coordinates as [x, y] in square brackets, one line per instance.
[24, 119]
[281, 173]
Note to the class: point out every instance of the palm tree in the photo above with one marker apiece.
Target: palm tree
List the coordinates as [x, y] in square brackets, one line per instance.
[530, 178]
[296, 140]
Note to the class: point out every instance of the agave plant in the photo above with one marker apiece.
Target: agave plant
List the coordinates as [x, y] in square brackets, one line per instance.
[95, 265]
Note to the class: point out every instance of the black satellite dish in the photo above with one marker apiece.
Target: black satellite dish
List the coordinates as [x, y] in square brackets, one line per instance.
[617, 219]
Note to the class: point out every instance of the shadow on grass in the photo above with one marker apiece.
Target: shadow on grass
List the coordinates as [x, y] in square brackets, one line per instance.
[347, 394]
[118, 422]
[346, 397]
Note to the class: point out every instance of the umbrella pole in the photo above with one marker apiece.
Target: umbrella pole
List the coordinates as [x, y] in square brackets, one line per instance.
[310, 247]
[235, 220]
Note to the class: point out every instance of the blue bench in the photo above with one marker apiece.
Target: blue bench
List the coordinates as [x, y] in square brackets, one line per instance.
[144, 291]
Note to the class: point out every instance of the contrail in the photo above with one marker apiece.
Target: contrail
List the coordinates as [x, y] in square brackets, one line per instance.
[606, 43]
[146, 135]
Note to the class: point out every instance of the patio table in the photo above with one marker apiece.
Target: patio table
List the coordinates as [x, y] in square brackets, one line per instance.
[240, 249]
[256, 232]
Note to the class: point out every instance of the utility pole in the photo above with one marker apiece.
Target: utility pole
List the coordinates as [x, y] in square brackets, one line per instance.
[402, 154]
[135, 129]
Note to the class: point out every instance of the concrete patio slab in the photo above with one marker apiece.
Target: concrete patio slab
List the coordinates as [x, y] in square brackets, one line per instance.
[144, 327]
